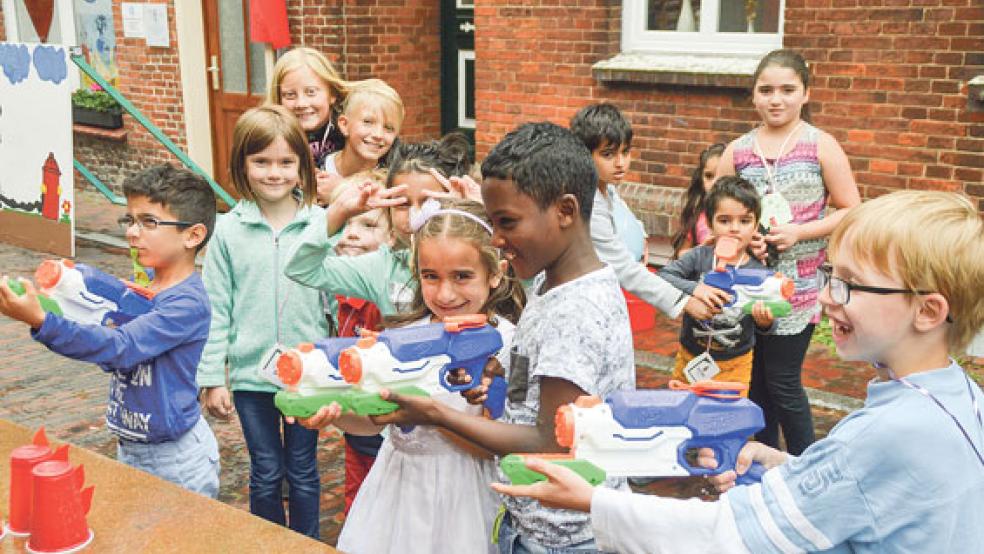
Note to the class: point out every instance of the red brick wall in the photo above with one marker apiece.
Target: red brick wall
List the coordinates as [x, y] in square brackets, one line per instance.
[889, 84]
[150, 78]
[398, 41]
[394, 40]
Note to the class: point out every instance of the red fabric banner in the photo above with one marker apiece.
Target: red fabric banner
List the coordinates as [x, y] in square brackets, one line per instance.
[268, 22]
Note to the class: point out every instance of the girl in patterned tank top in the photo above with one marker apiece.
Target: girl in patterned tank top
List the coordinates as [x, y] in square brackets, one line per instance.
[799, 171]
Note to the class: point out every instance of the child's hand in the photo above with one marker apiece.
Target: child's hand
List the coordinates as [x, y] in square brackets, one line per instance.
[325, 417]
[783, 236]
[360, 199]
[563, 488]
[218, 402]
[752, 452]
[480, 393]
[369, 196]
[327, 183]
[713, 297]
[414, 410]
[25, 308]
[456, 187]
[758, 247]
[697, 309]
[762, 315]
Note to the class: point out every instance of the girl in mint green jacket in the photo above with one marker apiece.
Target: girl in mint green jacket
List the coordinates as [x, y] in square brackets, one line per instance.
[418, 171]
[254, 307]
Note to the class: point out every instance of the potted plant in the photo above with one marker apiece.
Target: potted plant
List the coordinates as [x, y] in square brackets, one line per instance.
[95, 107]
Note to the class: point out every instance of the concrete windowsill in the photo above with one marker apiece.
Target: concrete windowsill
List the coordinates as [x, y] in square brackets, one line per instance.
[115, 135]
[705, 70]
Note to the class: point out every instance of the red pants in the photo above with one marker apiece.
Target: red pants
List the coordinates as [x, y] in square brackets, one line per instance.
[357, 466]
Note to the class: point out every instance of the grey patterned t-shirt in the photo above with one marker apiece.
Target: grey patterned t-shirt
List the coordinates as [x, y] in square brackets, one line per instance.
[579, 332]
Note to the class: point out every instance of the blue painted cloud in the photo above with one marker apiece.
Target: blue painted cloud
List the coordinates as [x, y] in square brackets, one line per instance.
[16, 62]
[50, 63]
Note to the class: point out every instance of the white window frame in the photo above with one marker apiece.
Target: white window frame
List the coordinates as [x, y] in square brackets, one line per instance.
[463, 57]
[706, 40]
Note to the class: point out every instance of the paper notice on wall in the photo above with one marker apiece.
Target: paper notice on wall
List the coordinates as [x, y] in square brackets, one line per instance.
[155, 25]
[133, 20]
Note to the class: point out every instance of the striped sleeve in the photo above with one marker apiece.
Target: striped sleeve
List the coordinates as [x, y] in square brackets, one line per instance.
[811, 503]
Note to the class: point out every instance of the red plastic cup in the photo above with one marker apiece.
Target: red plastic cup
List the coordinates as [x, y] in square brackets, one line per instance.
[22, 462]
[58, 522]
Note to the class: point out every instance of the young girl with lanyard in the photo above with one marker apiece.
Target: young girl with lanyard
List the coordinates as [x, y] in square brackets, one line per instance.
[798, 170]
[305, 82]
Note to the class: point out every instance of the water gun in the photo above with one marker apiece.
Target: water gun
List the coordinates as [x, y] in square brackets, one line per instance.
[47, 304]
[650, 433]
[408, 360]
[85, 294]
[747, 286]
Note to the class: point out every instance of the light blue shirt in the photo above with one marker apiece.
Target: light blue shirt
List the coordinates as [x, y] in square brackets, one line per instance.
[895, 476]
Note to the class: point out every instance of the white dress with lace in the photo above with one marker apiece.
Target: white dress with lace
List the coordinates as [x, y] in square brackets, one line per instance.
[423, 493]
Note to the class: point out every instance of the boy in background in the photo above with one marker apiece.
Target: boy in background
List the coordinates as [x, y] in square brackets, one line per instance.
[608, 135]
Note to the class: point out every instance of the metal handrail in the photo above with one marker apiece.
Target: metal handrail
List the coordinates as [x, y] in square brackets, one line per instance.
[154, 130]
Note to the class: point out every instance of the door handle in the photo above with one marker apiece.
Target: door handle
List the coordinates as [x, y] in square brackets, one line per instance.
[214, 70]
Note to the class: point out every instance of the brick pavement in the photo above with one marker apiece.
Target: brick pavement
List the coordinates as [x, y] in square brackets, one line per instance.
[68, 397]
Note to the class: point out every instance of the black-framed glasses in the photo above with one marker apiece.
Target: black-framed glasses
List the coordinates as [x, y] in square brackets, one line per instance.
[147, 223]
[840, 290]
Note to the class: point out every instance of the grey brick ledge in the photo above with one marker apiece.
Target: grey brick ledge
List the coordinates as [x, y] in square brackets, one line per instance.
[704, 70]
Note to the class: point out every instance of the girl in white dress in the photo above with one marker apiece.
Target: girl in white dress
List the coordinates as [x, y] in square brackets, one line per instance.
[428, 489]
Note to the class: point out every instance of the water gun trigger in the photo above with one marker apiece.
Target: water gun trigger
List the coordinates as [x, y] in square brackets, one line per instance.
[752, 475]
[445, 380]
[726, 454]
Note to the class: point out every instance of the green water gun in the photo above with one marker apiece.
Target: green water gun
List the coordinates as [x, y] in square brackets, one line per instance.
[47, 304]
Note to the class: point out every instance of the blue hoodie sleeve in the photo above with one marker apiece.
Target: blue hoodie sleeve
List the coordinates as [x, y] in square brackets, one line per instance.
[174, 320]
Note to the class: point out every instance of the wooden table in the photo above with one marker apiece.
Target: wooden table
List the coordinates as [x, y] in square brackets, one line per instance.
[133, 511]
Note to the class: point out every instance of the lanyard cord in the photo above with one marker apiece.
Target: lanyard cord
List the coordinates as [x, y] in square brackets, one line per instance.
[324, 137]
[765, 163]
[977, 410]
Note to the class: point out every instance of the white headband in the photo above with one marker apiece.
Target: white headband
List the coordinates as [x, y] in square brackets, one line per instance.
[431, 207]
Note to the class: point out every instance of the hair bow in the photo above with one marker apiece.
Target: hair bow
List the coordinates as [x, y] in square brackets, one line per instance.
[431, 207]
[420, 216]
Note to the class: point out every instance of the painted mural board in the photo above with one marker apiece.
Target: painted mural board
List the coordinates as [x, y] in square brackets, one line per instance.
[37, 205]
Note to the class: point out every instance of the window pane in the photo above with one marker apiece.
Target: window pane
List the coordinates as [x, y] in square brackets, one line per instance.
[231, 32]
[257, 68]
[749, 16]
[470, 89]
[673, 15]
